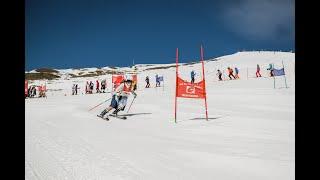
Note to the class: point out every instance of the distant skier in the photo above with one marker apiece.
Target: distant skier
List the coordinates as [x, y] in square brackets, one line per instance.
[237, 72]
[87, 87]
[76, 89]
[34, 91]
[157, 81]
[270, 68]
[148, 82]
[29, 91]
[73, 89]
[258, 71]
[230, 71]
[103, 85]
[119, 98]
[97, 87]
[91, 87]
[42, 90]
[219, 74]
[192, 74]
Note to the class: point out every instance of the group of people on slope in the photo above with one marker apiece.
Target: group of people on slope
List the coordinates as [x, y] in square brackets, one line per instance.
[157, 81]
[236, 76]
[32, 91]
[90, 85]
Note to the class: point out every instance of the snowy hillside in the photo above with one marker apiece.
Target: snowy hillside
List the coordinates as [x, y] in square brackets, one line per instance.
[249, 135]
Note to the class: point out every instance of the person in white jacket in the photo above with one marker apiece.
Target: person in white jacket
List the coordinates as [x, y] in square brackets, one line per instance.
[119, 98]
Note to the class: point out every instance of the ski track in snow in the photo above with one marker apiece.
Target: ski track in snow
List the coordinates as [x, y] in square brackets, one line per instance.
[249, 134]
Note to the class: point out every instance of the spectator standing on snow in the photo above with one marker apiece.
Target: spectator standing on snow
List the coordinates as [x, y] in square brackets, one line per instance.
[219, 74]
[97, 87]
[76, 89]
[87, 87]
[157, 81]
[103, 85]
[237, 72]
[34, 91]
[270, 68]
[29, 91]
[192, 74]
[147, 81]
[91, 87]
[73, 89]
[258, 71]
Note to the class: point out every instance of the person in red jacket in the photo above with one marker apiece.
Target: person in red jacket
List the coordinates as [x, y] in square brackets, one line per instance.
[97, 87]
[231, 73]
[258, 71]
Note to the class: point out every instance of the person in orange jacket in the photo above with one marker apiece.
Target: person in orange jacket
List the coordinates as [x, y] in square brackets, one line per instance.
[230, 71]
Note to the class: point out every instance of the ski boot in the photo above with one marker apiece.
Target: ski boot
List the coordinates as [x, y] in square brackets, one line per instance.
[102, 114]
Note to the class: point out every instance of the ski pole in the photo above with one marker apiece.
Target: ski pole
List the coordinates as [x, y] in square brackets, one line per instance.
[131, 104]
[100, 104]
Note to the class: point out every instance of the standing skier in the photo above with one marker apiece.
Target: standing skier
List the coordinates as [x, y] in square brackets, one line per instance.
[103, 85]
[258, 71]
[119, 98]
[237, 72]
[76, 89]
[87, 87]
[271, 69]
[192, 74]
[219, 75]
[91, 87]
[97, 87]
[147, 81]
[73, 89]
[157, 81]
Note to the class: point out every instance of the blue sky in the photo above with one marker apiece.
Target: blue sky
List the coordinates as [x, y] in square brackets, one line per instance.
[97, 33]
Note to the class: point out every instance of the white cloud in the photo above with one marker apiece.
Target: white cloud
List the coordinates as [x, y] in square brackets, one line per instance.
[261, 19]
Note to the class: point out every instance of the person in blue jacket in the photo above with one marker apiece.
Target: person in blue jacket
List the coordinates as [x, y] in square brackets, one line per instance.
[157, 81]
[237, 72]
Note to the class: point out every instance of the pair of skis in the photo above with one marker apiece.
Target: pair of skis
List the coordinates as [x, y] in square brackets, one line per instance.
[113, 115]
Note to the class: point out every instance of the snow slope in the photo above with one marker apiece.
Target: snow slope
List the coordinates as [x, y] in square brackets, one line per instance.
[249, 135]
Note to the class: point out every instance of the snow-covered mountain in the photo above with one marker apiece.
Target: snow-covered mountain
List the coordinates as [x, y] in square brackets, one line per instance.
[250, 133]
[240, 59]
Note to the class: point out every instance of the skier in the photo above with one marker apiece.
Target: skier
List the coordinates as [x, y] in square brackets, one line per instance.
[219, 75]
[271, 69]
[157, 81]
[91, 87]
[103, 85]
[258, 71]
[87, 87]
[29, 91]
[192, 76]
[72, 89]
[119, 98]
[97, 87]
[231, 73]
[76, 88]
[237, 72]
[147, 81]
[42, 90]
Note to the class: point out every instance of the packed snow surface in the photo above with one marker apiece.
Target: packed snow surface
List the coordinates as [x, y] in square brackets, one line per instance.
[249, 134]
